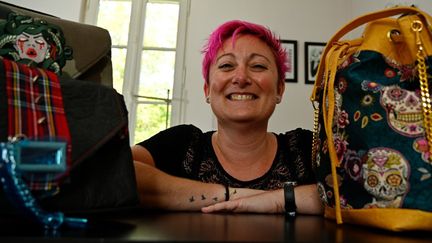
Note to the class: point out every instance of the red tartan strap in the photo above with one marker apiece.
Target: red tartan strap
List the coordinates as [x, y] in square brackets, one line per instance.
[35, 104]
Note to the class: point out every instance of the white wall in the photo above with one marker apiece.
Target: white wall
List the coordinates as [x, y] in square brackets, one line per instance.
[360, 7]
[291, 19]
[301, 20]
[66, 9]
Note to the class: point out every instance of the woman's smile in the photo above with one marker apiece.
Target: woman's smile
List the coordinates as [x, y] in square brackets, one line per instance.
[241, 97]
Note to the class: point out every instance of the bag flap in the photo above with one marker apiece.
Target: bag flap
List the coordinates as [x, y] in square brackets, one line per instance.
[357, 22]
[95, 114]
[376, 37]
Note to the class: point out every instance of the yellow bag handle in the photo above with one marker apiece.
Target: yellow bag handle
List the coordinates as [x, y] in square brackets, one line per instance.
[355, 24]
[328, 98]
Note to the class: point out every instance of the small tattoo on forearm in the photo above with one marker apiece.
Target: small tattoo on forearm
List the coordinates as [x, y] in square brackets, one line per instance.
[234, 192]
[192, 198]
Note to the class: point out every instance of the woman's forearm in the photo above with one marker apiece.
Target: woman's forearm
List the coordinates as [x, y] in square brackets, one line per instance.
[160, 190]
[157, 189]
[306, 198]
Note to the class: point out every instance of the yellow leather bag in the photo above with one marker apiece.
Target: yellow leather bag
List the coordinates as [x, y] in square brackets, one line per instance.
[372, 146]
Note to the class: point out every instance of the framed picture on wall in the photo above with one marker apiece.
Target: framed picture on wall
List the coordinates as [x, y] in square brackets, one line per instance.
[291, 49]
[313, 51]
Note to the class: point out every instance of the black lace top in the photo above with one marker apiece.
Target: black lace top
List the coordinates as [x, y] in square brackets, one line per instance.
[186, 151]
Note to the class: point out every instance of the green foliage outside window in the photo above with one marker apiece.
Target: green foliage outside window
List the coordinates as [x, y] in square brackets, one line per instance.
[157, 59]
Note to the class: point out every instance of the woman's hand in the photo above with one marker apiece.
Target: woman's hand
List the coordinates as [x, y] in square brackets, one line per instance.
[306, 196]
[265, 202]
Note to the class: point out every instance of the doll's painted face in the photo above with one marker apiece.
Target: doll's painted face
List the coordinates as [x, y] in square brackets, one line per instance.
[33, 47]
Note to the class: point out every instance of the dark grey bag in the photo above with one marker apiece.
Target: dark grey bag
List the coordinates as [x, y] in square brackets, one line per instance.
[102, 174]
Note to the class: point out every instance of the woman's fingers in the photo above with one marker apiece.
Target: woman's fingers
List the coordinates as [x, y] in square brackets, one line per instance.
[229, 206]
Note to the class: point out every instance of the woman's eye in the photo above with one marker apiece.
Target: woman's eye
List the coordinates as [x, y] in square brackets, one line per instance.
[225, 66]
[259, 67]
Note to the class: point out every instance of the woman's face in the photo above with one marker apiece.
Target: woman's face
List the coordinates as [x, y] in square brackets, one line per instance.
[243, 81]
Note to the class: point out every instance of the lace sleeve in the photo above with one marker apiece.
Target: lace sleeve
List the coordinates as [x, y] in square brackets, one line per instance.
[299, 147]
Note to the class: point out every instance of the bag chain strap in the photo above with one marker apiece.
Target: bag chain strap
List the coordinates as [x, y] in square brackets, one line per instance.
[417, 27]
[315, 135]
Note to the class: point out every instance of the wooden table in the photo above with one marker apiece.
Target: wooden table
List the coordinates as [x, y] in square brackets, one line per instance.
[142, 225]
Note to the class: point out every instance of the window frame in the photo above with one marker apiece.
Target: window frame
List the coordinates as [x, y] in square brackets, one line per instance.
[133, 59]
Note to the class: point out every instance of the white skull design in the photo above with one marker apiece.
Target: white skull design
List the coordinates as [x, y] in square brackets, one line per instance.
[385, 175]
[403, 108]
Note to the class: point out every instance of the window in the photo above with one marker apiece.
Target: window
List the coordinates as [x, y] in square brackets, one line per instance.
[147, 43]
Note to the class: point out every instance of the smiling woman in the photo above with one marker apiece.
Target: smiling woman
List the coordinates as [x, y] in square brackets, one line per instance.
[240, 167]
[243, 81]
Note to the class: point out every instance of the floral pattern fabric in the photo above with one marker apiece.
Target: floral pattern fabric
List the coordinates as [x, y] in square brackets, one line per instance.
[383, 158]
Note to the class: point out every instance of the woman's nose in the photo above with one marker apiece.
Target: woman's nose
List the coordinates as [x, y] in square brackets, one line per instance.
[241, 76]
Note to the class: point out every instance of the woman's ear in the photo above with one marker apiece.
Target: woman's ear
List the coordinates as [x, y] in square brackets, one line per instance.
[206, 89]
[207, 92]
[281, 88]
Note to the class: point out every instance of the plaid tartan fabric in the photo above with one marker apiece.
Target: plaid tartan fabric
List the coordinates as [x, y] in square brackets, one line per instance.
[35, 111]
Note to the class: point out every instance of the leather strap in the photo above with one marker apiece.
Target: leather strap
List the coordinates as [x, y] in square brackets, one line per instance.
[290, 205]
[329, 98]
[357, 23]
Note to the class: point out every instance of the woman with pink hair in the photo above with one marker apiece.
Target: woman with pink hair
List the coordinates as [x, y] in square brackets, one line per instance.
[240, 167]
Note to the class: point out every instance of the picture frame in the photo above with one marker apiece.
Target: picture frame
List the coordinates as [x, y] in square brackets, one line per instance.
[291, 50]
[313, 51]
